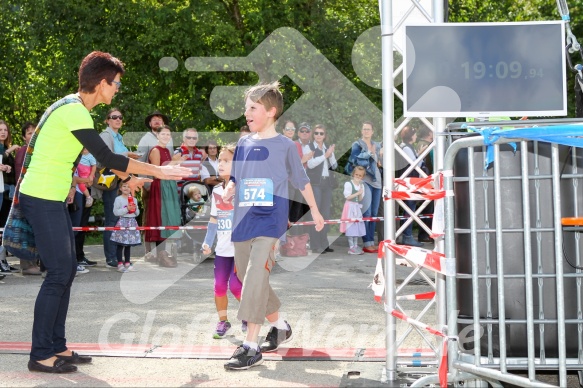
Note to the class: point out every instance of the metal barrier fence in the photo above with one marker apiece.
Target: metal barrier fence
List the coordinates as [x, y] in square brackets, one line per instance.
[515, 301]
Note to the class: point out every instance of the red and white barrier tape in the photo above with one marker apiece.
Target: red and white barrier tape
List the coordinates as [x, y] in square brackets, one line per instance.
[420, 189]
[204, 227]
[432, 260]
[111, 228]
[422, 296]
[369, 219]
[442, 370]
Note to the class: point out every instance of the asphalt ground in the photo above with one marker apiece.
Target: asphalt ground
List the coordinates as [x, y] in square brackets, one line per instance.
[154, 327]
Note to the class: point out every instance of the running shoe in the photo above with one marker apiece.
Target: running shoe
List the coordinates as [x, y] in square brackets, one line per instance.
[222, 329]
[87, 263]
[354, 251]
[276, 337]
[244, 358]
[130, 268]
[81, 269]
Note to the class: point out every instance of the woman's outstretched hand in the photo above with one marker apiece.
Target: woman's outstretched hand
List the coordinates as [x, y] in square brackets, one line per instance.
[173, 172]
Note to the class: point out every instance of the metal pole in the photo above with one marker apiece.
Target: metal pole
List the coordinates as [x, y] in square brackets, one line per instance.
[439, 125]
[559, 266]
[386, 9]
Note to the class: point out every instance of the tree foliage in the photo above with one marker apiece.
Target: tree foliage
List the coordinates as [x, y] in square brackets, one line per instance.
[43, 42]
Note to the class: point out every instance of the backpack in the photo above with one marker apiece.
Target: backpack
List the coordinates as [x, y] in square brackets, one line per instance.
[295, 246]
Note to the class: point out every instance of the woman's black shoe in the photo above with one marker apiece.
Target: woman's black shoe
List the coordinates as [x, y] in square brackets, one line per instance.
[60, 366]
[75, 358]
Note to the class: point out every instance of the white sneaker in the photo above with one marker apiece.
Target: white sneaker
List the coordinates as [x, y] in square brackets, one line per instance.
[88, 201]
[353, 251]
[121, 268]
[130, 268]
[81, 269]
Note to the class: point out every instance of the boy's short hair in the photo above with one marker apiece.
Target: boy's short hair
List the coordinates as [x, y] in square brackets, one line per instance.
[267, 95]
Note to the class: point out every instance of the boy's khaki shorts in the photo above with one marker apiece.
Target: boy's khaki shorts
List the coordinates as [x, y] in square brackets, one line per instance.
[254, 260]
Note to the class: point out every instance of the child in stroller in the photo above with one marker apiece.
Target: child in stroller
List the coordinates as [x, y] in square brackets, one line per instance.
[194, 211]
[195, 204]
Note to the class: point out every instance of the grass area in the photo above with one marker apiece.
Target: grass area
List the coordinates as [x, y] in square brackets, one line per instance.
[94, 238]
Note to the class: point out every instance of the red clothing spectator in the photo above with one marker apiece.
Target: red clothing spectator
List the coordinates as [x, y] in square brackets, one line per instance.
[193, 161]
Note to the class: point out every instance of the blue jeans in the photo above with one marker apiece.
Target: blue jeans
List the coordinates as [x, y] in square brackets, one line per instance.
[76, 215]
[408, 232]
[372, 211]
[54, 239]
[323, 197]
[10, 189]
[109, 248]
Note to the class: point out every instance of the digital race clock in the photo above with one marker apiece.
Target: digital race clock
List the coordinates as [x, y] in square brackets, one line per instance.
[485, 69]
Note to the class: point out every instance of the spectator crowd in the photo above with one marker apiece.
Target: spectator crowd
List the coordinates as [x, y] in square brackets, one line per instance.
[170, 203]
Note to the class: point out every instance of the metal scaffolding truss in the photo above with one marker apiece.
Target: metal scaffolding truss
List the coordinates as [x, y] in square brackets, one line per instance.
[394, 15]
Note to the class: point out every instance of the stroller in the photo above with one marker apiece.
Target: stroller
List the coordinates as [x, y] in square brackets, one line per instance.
[193, 213]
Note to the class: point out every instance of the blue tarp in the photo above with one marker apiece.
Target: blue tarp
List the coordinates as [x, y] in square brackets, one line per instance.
[570, 135]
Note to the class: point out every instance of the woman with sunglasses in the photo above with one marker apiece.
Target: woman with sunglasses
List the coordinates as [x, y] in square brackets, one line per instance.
[65, 128]
[321, 173]
[114, 141]
[210, 166]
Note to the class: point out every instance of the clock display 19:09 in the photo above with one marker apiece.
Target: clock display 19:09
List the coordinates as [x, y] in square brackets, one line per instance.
[500, 70]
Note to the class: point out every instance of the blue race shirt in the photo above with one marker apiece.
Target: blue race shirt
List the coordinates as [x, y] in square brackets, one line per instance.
[261, 170]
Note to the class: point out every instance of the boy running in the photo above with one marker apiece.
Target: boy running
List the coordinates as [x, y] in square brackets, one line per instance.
[262, 165]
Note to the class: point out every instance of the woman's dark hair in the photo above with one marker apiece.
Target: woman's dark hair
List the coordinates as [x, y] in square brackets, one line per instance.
[97, 66]
[25, 127]
[110, 111]
[284, 123]
[407, 134]
[161, 127]
[212, 142]
[8, 141]
[369, 123]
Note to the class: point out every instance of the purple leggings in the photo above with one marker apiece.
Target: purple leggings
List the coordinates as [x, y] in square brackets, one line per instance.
[225, 277]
